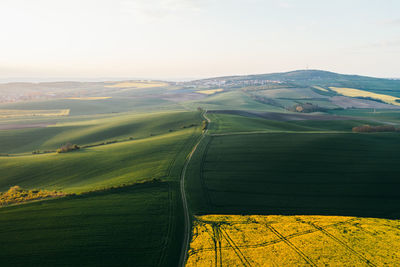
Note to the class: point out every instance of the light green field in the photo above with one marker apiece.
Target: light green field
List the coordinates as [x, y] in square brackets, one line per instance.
[231, 100]
[137, 224]
[229, 123]
[118, 103]
[92, 131]
[96, 167]
[12, 113]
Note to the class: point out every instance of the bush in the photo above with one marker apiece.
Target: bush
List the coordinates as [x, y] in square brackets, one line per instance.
[204, 125]
[67, 148]
[307, 108]
[18, 195]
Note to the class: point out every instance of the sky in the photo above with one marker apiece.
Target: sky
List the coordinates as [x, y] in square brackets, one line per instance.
[179, 39]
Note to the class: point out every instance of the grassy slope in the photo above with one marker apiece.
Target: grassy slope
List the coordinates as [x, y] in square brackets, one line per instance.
[228, 123]
[92, 107]
[391, 116]
[231, 100]
[127, 226]
[93, 131]
[97, 167]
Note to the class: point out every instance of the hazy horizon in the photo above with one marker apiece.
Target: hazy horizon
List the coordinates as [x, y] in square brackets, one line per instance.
[188, 39]
[167, 79]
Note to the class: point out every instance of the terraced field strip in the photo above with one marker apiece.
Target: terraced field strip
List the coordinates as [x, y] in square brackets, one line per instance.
[15, 113]
[271, 240]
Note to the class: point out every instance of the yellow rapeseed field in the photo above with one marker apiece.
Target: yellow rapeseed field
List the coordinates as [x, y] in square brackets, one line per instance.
[137, 84]
[90, 98]
[12, 113]
[361, 93]
[210, 92]
[255, 240]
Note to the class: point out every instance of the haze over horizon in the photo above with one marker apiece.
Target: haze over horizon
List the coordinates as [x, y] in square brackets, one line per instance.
[187, 39]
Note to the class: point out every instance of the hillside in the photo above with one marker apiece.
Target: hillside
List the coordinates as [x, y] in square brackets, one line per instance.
[322, 78]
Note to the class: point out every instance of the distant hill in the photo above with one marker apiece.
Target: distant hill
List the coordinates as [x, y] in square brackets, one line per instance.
[306, 78]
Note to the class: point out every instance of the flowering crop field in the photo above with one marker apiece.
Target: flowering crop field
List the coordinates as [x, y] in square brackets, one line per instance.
[255, 240]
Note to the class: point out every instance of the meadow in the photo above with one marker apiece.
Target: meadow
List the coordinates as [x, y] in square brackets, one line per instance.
[12, 113]
[225, 122]
[131, 226]
[123, 203]
[94, 130]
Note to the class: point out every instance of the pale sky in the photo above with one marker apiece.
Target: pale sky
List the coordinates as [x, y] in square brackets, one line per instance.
[197, 38]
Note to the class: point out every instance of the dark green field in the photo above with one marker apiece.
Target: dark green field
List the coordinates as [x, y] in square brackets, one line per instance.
[131, 226]
[289, 173]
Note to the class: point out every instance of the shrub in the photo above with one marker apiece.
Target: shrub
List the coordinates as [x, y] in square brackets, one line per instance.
[204, 125]
[67, 148]
[18, 195]
[307, 108]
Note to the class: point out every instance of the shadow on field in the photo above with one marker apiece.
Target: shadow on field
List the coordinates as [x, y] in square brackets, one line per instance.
[276, 116]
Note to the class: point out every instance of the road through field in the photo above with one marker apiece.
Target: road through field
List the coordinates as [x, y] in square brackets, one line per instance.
[187, 225]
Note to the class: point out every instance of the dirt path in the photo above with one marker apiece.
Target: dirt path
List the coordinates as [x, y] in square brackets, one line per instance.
[187, 225]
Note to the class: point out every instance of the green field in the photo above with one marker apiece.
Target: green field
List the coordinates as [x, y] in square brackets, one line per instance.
[95, 130]
[233, 123]
[297, 173]
[231, 100]
[92, 107]
[131, 226]
[137, 223]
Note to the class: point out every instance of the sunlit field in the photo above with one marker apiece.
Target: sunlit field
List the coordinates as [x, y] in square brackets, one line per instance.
[210, 92]
[361, 93]
[14, 113]
[136, 84]
[235, 240]
[89, 98]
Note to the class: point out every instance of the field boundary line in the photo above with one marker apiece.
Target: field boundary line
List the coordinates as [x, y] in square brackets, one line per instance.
[276, 132]
[187, 224]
